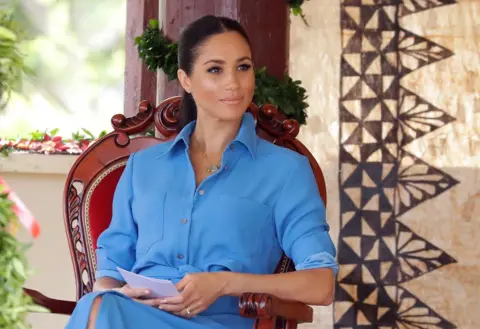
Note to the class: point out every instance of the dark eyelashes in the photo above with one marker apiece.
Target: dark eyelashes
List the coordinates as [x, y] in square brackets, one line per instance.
[214, 69]
[217, 69]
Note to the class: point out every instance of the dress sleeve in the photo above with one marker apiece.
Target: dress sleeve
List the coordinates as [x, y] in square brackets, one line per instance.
[300, 219]
[116, 245]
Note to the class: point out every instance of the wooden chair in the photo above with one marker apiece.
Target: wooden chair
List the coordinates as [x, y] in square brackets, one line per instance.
[92, 180]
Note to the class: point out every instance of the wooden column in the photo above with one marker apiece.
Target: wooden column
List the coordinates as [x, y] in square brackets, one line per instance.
[140, 84]
[266, 22]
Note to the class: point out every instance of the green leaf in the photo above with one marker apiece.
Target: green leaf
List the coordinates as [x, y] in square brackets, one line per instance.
[88, 133]
[54, 132]
[7, 34]
[19, 268]
[153, 23]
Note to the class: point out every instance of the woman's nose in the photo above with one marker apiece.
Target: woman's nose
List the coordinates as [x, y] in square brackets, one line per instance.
[232, 81]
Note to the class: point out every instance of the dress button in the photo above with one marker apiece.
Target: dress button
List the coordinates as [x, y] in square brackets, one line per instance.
[232, 147]
[180, 256]
[201, 192]
[184, 220]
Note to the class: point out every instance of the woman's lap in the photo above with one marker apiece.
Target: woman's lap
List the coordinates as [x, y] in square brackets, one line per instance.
[120, 312]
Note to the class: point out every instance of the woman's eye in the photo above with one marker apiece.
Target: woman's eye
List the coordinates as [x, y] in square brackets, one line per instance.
[244, 67]
[214, 69]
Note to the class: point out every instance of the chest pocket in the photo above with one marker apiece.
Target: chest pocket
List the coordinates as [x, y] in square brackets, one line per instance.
[149, 213]
[242, 222]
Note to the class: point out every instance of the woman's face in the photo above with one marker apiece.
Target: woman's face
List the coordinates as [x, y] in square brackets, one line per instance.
[222, 80]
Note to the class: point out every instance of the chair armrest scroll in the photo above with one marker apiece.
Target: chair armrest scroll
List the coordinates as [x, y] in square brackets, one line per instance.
[267, 306]
[56, 306]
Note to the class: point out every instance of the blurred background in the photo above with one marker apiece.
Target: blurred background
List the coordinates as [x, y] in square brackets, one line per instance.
[76, 50]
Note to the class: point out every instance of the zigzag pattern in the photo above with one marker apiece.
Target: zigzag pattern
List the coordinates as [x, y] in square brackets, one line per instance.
[378, 179]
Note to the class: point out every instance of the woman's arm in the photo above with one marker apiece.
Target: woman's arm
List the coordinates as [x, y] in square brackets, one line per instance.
[116, 245]
[107, 283]
[200, 290]
[303, 234]
[313, 286]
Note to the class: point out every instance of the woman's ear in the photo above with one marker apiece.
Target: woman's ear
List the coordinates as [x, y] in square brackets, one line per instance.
[184, 80]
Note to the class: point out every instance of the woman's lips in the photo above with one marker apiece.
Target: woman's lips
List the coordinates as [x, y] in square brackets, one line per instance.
[232, 100]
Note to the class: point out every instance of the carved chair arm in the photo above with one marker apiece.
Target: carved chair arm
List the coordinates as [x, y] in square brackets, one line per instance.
[56, 306]
[263, 306]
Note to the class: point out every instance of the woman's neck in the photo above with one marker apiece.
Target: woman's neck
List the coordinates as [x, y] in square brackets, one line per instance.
[212, 136]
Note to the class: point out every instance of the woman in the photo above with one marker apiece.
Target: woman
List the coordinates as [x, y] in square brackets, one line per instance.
[213, 209]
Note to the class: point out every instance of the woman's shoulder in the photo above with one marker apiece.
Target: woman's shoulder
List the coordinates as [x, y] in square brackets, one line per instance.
[269, 152]
[152, 152]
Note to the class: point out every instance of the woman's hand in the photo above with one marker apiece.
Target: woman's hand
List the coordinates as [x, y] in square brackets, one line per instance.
[134, 293]
[198, 292]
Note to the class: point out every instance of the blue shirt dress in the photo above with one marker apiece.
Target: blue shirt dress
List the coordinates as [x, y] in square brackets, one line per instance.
[262, 201]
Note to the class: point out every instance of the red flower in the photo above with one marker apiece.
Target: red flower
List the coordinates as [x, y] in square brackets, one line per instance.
[21, 211]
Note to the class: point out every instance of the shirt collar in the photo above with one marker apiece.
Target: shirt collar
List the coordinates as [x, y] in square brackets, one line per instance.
[246, 135]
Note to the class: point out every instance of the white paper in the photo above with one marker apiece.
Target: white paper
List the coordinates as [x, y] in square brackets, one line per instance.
[159, 288]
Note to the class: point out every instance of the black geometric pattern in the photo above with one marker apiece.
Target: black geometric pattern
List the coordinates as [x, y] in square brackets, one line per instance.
[416, 52]
[417, 117]
[379, 180]
[415, 6]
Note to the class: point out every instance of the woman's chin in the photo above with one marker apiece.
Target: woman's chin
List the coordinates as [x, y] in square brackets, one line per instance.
[232, 112]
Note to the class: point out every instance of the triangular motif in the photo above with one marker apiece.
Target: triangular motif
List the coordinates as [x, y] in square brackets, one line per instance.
[417, 117]
[413, 313]
[417, 256]
[416, 52]
[418, 182]
[415, 6]
[349, 18]
[351, 64]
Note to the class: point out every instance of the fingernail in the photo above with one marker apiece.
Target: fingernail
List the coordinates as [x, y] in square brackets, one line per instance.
[163, 301]
[147, 291]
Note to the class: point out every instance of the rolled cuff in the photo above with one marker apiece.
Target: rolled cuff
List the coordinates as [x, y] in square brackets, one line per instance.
[320, 260]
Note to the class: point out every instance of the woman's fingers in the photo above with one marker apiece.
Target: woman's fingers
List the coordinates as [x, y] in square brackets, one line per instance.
[180, 299]
[172, 308]
[152, 302]
[191, 310]
[134, 292]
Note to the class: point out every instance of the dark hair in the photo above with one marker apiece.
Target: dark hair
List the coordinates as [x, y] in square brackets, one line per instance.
[194, 35]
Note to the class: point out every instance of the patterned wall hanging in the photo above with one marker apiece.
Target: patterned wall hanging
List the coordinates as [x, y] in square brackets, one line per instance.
[379, 180]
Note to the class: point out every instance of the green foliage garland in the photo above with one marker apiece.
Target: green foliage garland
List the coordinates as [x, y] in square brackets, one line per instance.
[296, 7]
[158, 52]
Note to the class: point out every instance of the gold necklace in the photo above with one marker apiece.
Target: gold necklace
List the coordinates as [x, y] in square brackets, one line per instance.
[211, 168]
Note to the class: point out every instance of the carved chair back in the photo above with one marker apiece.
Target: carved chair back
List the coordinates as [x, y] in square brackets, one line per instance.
[91, 182]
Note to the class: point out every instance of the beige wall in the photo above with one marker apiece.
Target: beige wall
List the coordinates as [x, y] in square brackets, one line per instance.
[314, 59]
